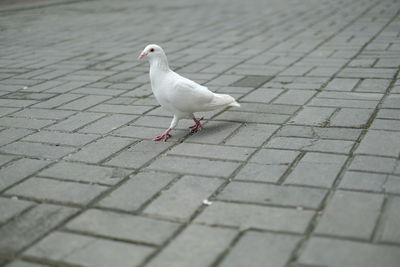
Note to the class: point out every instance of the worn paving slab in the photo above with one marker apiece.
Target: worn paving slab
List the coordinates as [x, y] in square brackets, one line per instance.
[306, 173]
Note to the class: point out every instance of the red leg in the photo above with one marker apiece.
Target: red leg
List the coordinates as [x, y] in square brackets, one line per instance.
[164, 136]
[197, 126]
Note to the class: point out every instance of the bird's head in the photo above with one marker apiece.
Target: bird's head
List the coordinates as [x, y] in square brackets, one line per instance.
[151, 51]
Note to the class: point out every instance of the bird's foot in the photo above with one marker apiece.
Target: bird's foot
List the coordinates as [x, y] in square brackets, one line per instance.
[197, 126]
[164, 136]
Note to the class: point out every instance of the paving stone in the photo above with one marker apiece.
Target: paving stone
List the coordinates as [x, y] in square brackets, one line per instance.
[373, 85]
[16, 103]
[250, 250]
[294, 97]
[28, 227]
[260, 172]
[252, 135]
[137, 191]
[196, 246]
[6, 158]
[76, 121]
[194, 166]
[340, 84]
[58, 138]
[215, 132]
[123, 227]
[9, 135]
[24, 123]
[212, 151]
[380, 124]
[107, 124]
[308, 144]
[37, 150]
[100, 149]
[262, 95]
[313, 116]
[84, 102]
[19, 170]
[184, 197]
[38, 113]
[48, 189]
[88, 251]
[342, 103]
[57, 101]
[272, 194]
[84, 173]
[250, 117]
[347, 117]
[374, 164]
[252, 81]
[274, 157]
[10, 208]
[252, 216]
[313, 132]
[357, 220]
[365, 181]
[316, 169]
[334, 253]
[123, 109]
[19, 263]
[366, 73]
[392, 101]
[388, 231]
[380, 143]
[138, 154]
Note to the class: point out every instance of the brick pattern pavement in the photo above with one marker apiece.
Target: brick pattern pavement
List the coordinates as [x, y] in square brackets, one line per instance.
[305, 174]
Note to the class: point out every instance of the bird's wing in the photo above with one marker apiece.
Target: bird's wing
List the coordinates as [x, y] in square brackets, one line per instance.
[188, 96]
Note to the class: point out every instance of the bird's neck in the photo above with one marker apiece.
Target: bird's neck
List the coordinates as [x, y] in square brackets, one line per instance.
[160, 63]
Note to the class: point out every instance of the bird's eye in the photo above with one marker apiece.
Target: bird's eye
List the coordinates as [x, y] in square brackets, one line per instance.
[152, 50]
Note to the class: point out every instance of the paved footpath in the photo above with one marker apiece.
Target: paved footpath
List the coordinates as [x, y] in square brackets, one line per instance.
[305, 174]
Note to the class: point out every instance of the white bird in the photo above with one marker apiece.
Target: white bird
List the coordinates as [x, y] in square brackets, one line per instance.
[179, 95]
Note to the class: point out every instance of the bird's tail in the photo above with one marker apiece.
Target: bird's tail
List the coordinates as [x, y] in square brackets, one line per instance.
[224, 100]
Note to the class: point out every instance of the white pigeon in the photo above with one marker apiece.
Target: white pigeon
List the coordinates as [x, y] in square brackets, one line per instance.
[179, 95]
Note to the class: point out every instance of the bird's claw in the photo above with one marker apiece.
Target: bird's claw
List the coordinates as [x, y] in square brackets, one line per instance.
[164, 137]
[197, 126]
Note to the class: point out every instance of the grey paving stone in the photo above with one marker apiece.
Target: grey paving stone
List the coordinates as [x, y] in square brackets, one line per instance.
[196, 246]
[136, 191]
[295, 97]
[261, 172]
[184, 197]
[316, 169]
[12, 207]
[138, 154]
[39, 113]
[342, 103]
[84, 173]
[274, 157]
[18, 170]
[58, 138]
[252, 216]
[123, 226]
[308, 144]
[341, 84]
[212, 151]
[250, 250]
[334, 253]
[313, 132]
[194, 166]
[380, 143]
[6, 158]
[16, 103]
[37, 150]
[123, 109]
[48, 189]
[262, 95]
[372, 163]
[386, 124]
[252, 135]
[373, 85]
[24, 123]
[18, 263]
[26, 228]
[76, 121]
[214, 132]
[9, 135]
[312, 116]
[272, 194]
[366, 73]
[88, 251]
[107, 124]
[267, 108]
[100, 149]
[365, 181]
[356, 220]
[348, 117]
[388, 229]
[250, 117]
[392, 101]
[84, 102]
[57, 101]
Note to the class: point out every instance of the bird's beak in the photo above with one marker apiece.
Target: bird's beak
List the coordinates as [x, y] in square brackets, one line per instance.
[142, 55]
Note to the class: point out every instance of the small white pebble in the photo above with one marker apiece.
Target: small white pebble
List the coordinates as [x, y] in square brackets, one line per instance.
[207, 202]
[299, 208]
[25, 87]
[14, 198]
